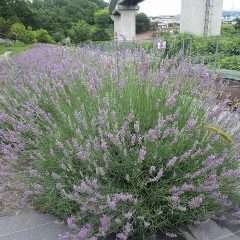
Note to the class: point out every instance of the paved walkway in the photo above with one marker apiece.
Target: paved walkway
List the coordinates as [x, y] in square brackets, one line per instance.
[37, 226]
[30, 226]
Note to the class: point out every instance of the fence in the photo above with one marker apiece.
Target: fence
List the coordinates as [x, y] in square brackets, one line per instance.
[216, 52]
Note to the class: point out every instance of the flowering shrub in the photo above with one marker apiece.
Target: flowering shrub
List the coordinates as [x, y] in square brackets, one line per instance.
[118, 144]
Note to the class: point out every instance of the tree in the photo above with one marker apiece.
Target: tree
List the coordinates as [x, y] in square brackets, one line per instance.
[100, 34]
[80, 32]
[19, 32]
[55, 16]
[237, 25]
[58, 37]
[102, 18]
[17, 11]
[142, 23]
[4, 27]
[43, 36]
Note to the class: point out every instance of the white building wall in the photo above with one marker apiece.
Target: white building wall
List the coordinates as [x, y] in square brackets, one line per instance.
[193, 17]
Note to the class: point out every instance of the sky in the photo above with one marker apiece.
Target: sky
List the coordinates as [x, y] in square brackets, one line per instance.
[172, 7]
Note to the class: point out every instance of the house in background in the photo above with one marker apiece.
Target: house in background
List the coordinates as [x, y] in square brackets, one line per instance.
[230, 18]
[166, 23]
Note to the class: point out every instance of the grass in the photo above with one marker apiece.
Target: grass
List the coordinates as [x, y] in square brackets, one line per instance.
[15, 48]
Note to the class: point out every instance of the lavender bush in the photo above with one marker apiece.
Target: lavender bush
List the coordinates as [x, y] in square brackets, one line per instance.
[118, 143]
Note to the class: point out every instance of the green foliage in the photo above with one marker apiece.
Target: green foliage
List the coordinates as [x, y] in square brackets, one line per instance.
[230, 45]
[43, 36]
[17, 11]
[53, 16]
[142, 23]
[80, 32]
[237, 25]
[19, 32]
[102, 18]
[154, 26]
[232, 62]
[100, 34]
[228, 29]
[4, 27]
[58, 37]
[14, 47]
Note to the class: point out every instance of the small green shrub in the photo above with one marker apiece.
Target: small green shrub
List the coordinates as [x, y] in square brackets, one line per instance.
[100, 34]
[58, 37]
[42, 36]
[232, 62]
[80, 32]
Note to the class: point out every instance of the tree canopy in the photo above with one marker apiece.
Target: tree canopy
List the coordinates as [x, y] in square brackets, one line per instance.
[57, 17]
[143, 23]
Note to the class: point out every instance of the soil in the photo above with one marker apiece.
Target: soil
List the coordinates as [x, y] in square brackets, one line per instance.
[234, 88]
[145, 36]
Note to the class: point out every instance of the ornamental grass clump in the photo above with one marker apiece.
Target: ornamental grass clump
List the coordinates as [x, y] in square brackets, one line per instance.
[119, 143]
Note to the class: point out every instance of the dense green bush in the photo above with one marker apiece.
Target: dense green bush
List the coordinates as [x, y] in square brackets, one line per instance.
[102, 18]
[237, 25]
[19, 32]
[143, 23]
[58, 37]
[80, 32]
[42, 36]
[100, 34]
[232, 62]
[228, 29]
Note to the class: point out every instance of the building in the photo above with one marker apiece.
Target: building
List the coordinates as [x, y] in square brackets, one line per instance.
[166, 23]
[230, 19]
[165, 19]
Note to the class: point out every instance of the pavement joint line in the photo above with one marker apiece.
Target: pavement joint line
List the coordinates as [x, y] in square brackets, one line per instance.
[227, 235]
[8, 234]
[16, 214]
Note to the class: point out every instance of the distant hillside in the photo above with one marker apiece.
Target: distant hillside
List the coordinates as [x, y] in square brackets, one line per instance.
[224, 13]
[230, 13]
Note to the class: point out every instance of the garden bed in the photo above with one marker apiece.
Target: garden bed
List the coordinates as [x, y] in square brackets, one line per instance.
[118, 143]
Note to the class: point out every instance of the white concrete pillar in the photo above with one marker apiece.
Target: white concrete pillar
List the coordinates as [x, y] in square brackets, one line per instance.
[125, 23]
[117, 24]
[216, 18]
[198, 19]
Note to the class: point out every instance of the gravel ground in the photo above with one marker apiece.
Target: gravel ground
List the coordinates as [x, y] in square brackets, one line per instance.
[12, 187]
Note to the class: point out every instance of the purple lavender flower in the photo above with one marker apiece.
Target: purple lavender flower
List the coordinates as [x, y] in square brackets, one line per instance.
[105, 224]
[142, 153]
[196, 202]
[71, 224]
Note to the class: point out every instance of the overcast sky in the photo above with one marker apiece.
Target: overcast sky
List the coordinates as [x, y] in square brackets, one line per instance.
[161, 7]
